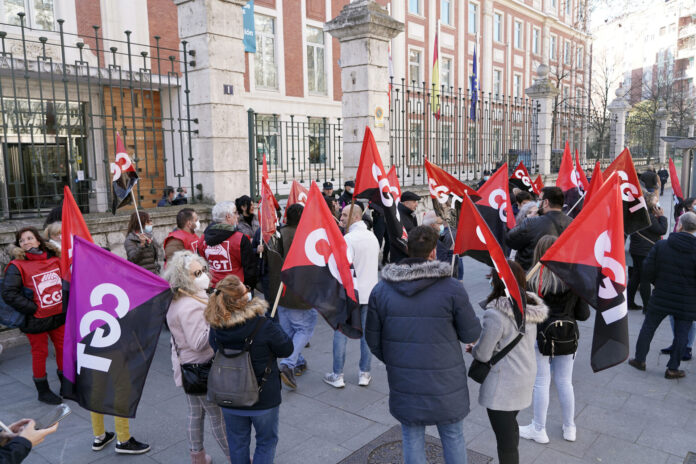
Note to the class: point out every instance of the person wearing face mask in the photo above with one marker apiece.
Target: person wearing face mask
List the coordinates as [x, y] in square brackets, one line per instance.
[45, 309]
[445, 241]
[486, 176]
[141, 247]
[53, 233]
[187, 275]
[248, 222]
[184, 236]
[347, 195]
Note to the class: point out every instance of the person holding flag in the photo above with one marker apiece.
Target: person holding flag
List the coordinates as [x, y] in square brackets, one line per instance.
[418, 315]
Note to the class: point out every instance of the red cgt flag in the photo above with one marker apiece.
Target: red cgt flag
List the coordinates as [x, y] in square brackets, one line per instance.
[268, 207]
[475, 239]
[590, 258]
[595, 183]
[567, 174]
[73, 224]
[495, 206]
[394, 182]
[582, 178]
[635, 211]
[444, 186]
[674, 178]
[319, 267]
[538, 184]
[520, 178]
[298, 194]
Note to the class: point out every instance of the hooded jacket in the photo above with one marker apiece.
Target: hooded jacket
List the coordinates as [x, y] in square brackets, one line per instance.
[509, 384]
[418, 316]
[269, 343]
[13, 295]
[228, 252]
[671, 267]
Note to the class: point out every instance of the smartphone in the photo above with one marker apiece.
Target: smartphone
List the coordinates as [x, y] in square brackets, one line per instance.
[56, 415]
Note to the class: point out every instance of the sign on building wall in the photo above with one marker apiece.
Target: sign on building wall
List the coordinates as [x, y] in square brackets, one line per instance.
[249, 31]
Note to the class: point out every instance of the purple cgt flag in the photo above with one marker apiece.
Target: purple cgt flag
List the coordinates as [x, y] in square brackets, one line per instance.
[115, 314]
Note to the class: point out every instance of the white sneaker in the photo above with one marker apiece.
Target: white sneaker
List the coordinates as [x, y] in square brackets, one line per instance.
[335, 380]
[364, 379]
[569, 433]
[531, 433]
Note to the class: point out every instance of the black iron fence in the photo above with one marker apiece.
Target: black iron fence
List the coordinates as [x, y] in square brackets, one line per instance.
[425, 122]
[63, 98]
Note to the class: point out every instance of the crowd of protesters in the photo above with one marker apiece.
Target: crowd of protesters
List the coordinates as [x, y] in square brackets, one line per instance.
[415, 314]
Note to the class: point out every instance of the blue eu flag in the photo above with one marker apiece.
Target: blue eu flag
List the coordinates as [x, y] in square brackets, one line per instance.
[474, 89]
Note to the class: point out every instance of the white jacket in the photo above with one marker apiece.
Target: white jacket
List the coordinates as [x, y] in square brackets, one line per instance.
[365, 249]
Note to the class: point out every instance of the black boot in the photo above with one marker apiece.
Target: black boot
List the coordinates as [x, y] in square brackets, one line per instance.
[60, 379]
[45, 393]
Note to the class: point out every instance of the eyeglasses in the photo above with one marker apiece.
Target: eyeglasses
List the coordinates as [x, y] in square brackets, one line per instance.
[199, 272]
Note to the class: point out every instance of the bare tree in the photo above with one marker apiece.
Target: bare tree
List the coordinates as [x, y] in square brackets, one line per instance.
[603, 80]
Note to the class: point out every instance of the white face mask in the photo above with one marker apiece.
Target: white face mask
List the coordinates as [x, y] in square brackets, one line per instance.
[198, 225]
[148, 228]
[202, 281]
[248, 296]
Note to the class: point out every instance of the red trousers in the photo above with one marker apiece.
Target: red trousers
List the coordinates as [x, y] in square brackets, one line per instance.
[39, 350]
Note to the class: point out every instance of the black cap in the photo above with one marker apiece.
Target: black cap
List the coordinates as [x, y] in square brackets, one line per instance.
[349, 183]
[409, 196]
[327, 186]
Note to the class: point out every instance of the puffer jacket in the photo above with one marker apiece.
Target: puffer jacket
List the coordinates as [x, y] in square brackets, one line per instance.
[145, 256]
[525, 236]
[418, 315]
[509, 384]
[641, 240]
[269, 343]
[671, 267]
[13, 294]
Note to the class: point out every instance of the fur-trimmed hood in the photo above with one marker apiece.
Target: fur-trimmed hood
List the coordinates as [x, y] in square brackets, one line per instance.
[536, 311]
[412, 275]
[18, 253]
[256, 307]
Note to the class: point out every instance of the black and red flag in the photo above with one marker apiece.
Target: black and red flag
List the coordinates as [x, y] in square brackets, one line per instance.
[298, 194]
[444, 186]
[495, 206]
[319, 267]
[268, 206]
[635, 211]
[538, 184]
[595, 183]
[475, 239]
[394, 183]
[583, 184]
[72, 225]
[567, 174]
[589, 257]
[115, 314]
[674, 179]
[520, 178]
[123, 176]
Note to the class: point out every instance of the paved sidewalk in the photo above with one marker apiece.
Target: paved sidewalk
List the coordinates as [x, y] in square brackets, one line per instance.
[623, 416]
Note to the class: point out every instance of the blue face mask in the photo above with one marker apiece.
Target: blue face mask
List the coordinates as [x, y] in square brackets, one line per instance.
[148, 228]
[442, 229]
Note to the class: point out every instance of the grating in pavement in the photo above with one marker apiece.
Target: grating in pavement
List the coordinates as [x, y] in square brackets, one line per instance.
[386, 449]
[690, 458]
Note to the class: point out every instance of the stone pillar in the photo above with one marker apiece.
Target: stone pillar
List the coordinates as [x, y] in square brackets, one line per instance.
[542, 93]
[485, 79]
[661, 117]
[546, 42]
[618, 109]
[364, 30]
[214, 31]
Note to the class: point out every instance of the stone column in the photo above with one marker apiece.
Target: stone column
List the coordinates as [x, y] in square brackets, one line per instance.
[214, 30]
[546, 42]
[363, 29]
[661, 116]
[618, 109]
[542, 93]
[485, 57]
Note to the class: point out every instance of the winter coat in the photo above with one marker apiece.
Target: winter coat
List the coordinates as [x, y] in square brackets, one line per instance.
[145, 256]
[15, 450]
[247, 228]
[510, 382]
[190, 332]
[418, 315]
[13, 295]
[525, 236]
[564, 305]
[276, 258]
[269, 343]
[639, 245]
[242, 255]
[671, 267]
[445, 252]
[408, 217]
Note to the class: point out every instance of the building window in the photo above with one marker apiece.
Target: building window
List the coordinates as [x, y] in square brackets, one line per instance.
[568, 7]
[498, 27]
[473, 18]
[471, 143]
[497, 83]
[516, 139]
[536, 40]
[316, 67]
[517, 85]
[578, 97]
[446, 12]
[446, 72]
[580, 61]
[265, 67]
[415, 6]
[566, 52]
[266, 135]
[39, 13]
[414, 65]
[566, 94]
[415, 130]
[554, 4]
[552, 48]
[446, 138]
[518, 35]
[317, 140]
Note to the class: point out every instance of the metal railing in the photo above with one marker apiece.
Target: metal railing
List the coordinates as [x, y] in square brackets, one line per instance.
[63, 98]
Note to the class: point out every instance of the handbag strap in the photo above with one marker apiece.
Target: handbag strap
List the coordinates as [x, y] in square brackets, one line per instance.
[250, 339]
[501, 354]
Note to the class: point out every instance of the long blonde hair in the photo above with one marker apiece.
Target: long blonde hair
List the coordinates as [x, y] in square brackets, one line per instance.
[225, 300]
[550, 282]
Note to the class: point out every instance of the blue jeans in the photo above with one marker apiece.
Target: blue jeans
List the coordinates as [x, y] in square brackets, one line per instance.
[339, 348]
[451, 435]
[299, 325]
[652, 321]
[239, 436]
[692, 332]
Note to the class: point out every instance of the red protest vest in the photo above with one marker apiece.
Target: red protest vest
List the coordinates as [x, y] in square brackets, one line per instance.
[44, 278]
[190, 240]
[223, 259]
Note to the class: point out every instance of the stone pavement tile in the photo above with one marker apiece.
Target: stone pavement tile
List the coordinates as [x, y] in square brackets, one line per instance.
[157, 426]
[607, 398]
[663, 412]
[35, 458]
[615, 423]
[179, 453]
[159, 388]
[72, 443]
[309, 384]
[650, 384]
[577, 448]
[674, 440]
[351, 398]
[617, 451]
[314, 450]
[364, 437]
[485, 443]
[288, 436]
[378, 412]
[113, 458]
[672, 459]
[552, 456]
[4, 378]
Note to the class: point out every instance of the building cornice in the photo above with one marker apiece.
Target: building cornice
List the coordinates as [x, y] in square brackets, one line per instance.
[542, 17]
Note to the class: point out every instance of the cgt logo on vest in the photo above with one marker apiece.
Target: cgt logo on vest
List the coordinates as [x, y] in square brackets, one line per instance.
[49, 288]
[218, 257]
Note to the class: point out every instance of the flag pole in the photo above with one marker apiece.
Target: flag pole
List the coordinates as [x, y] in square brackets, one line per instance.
[277, 299]
[534, 270]
[350, 212]
[135, 205]
[454, 255]
[576, 204]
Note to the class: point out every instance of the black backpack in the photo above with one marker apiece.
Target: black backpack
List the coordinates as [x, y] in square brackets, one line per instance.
[558, 335]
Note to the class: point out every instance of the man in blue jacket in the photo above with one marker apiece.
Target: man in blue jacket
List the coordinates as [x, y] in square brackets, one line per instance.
[417, 317]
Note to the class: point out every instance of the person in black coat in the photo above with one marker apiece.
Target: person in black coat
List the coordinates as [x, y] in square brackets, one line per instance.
[233, 316]
[406, 208]
[671, 267]
[417, 317]
[663, 174]
[641, 244]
